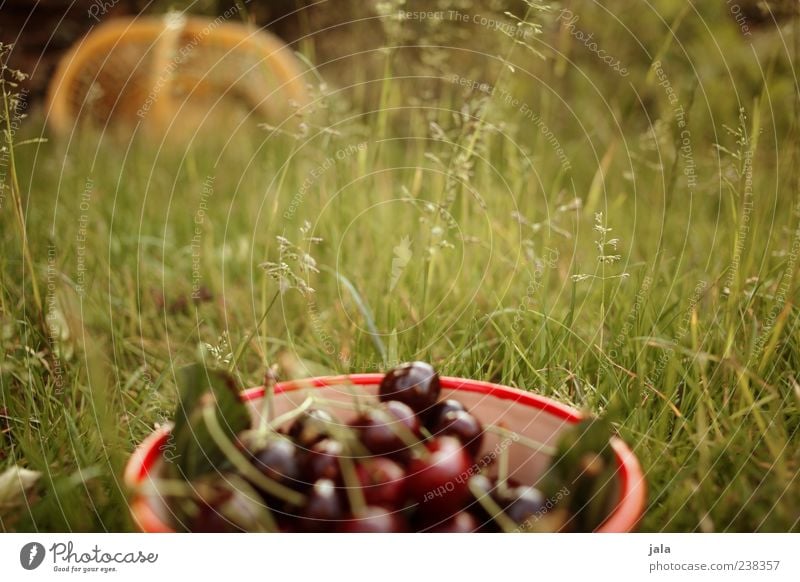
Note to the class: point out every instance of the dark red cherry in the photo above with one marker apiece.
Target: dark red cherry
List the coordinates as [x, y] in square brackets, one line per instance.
[415, 384]
[375, 520]
[383, 482]
[440, 409]
[438, 482]
[461, 522]
[218, 505]
[208, 511]
[278, 459]
[385, 429]
[322, 461]
[311, 427]
[324, 508]
[462, 425]
[522, 504]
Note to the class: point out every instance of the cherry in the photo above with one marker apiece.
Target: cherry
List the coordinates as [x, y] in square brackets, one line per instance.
[484, 488]
[462, 425]
[383, 482]
[278, 459]
[438, 482]
[521, 503]
[322, 461]
[311, 427]
[375, 520]
[461, 522]
[219, 506]
[440, 409]
[416, 384]
[324, 507]
[381, 428]
[208, 512]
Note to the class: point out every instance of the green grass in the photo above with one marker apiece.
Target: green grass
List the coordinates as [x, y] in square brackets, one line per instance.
[687, 334]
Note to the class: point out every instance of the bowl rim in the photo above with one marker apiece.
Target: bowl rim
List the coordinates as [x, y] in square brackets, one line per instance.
[625, 517]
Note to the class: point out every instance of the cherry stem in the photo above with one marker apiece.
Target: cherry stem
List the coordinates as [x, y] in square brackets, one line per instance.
[349, 438]
[167, 487]
[278, 422]
[338, 403]
[264, 512]
[267, 403]
[358, 402]
[492, 508]
[358, 504]
[243, 465]
[502, 469]
[523, 440]
[243, 346]
[409, 439]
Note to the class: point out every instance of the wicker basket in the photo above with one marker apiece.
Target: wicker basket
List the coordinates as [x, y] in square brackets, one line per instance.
[153, 70]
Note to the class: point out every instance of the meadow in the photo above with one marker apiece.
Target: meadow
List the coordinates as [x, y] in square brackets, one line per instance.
[609, 220]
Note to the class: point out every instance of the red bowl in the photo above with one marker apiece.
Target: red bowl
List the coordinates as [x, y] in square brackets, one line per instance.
[530, 415]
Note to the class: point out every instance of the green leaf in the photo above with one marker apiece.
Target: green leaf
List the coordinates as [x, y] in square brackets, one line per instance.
[197, 453]
[225, 503]
[584, 463]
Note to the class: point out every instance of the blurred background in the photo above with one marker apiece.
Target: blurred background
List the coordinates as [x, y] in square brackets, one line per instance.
[331, 33]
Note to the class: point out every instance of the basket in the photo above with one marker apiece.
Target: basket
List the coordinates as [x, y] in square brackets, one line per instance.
[151, 70]
[528, 414]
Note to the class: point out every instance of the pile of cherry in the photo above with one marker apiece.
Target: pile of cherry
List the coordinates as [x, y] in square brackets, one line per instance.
[406, 463]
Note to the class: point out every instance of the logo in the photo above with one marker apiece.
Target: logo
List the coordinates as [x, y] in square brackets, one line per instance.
[31, 555]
